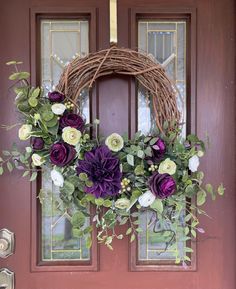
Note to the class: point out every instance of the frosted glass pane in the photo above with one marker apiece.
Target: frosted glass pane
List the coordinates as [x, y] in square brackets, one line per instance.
[61, 42]
[166, 42]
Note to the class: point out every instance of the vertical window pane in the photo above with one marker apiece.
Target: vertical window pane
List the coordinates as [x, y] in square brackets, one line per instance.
[165, 42]
[61, 42]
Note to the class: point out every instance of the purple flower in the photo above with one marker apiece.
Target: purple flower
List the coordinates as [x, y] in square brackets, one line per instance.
[162, 185]
[159, 149]
[72, 120]
[37, 143]
[103, 170]
[56, 96]
[61, 154]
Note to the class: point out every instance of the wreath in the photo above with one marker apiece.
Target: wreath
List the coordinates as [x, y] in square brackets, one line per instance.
[121, 177]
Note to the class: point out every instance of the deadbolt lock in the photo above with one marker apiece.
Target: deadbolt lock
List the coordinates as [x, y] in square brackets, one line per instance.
[6, 243]
[6, 279]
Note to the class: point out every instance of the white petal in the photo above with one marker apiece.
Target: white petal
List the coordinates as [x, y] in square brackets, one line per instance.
[57, 178]
[146, 199]
[193, 163]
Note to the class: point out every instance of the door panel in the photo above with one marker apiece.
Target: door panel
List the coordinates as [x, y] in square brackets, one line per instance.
[210, 109]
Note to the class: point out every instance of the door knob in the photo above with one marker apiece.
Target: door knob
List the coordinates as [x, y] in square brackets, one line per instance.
[6, 243]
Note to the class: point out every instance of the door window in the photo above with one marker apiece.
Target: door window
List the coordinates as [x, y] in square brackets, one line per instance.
[165, 42]
[61, 42]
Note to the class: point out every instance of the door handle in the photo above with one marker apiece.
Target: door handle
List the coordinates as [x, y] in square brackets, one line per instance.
[7, 243]
[6, 279]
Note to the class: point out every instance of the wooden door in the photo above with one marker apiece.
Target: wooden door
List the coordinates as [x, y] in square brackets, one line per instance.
[208, 64]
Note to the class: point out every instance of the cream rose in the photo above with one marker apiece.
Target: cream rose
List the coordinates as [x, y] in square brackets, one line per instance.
[114, 142]
[71, 135]
[167, 167]
[58, 108]
[122, 203]
[37, 160]
[25, 131]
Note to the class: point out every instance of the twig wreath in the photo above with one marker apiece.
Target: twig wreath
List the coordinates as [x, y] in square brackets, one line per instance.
[121, 177]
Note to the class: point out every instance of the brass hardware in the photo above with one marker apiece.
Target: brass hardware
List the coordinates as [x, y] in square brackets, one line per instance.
[6, 279]
[113, 21]
[6, 243]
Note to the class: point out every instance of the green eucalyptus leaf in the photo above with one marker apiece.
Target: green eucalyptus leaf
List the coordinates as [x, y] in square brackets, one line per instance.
[157, 205]
[78, 219]
[129, 231]
[33, 102]
[68, 188]
[132, 238]
[51, 123]
[153, 141]
[221, 190]
[77, 233]
[139, 170]
[201, 197]
[33, 176]
[19, 75]
[47, 115]
[9, 166]
[148, 151]
[140, 154]
[35, 92]
[107, 203]
[130, 160]
[99, 202]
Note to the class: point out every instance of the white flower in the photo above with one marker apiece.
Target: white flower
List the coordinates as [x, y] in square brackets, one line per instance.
[146, 199]
[71, 135]
[24, 131]
[114, 142]
[167, 167]
[58, 108]
[57, 178]
[193, 163]
[37, 160]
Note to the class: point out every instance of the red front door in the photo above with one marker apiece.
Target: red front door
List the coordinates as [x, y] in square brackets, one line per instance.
[41, 34]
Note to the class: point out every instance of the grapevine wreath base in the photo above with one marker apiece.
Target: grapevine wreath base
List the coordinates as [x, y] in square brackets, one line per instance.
[120, 177]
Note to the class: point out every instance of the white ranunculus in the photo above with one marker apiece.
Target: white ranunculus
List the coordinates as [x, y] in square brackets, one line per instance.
[58, 108]
[146, 199]
[57, 178]
[114, 142]
[24, 131]
[193, 163]
[71, 135]
[167, 167]
[37, 160]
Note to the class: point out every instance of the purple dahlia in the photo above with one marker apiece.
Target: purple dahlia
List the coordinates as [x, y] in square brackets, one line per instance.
[162, 185]
[103, 169]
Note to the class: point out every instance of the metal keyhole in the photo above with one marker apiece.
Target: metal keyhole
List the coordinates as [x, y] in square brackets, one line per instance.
[4, 244]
